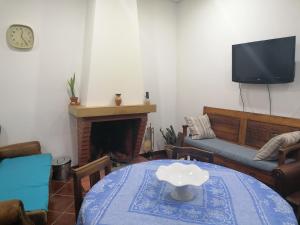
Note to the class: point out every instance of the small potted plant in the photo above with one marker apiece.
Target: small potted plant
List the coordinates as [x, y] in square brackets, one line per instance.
[73, 98]
[171, 139]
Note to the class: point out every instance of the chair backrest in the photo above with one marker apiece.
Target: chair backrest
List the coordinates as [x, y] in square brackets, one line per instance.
[193, 153]
[92, 170]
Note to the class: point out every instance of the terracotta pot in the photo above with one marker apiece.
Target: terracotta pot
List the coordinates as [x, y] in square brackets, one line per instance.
[74, 101]
[118, 99]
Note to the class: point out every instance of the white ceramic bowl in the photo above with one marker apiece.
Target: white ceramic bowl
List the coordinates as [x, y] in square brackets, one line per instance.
[181, 176]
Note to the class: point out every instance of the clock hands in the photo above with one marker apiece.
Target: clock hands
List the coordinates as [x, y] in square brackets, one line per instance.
[23, 37]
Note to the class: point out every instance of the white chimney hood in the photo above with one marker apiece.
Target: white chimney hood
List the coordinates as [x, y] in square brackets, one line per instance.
[112, 59]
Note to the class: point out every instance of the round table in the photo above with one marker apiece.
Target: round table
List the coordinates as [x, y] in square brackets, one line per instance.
[133, 196]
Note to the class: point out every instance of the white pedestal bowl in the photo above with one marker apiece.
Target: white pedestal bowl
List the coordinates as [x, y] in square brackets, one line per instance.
[182, 177]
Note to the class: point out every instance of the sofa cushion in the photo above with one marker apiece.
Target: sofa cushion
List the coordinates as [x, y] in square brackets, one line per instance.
[238, 153]
[27, 179]
[200, 127]
[270, 150]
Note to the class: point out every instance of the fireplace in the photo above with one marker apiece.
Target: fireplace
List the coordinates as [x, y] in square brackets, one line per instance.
[114, 131]
[116, 139]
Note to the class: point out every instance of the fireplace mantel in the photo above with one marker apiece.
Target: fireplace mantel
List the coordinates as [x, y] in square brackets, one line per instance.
[84, 111]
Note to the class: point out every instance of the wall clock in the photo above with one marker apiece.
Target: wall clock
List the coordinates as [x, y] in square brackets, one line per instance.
[20, 36]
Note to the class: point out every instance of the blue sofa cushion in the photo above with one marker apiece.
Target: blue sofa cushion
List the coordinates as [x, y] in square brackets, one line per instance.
[239, 153]
[27, 179]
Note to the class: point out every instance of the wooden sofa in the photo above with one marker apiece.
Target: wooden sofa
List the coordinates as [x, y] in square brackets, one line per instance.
[13, 211]
[249, 130]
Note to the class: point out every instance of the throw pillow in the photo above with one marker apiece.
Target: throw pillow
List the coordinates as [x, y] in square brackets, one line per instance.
[270, 150]
[200, 127]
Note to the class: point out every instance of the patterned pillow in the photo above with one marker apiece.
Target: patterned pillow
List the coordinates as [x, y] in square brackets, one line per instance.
[200, 127]
[270, 150]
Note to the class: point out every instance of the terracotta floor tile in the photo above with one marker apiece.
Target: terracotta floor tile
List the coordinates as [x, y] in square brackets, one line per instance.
[66, 219]
[52, 216]
[56, 186]
[67, 189]
[60, 202]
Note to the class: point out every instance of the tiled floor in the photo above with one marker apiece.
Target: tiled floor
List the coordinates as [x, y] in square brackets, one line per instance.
[61, 204]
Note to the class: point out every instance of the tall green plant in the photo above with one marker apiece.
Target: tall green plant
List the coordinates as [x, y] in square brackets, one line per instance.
[169, 135]
[71, 83]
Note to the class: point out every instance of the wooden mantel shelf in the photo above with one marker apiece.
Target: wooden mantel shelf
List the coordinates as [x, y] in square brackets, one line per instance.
[85, 111]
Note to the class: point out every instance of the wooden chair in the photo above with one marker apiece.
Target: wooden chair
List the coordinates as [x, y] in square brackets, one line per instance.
[294, 199]
[193, 153]
[92, 170]
[12, 212]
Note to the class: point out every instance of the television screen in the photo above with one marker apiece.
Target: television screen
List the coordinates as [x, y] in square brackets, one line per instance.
[264, 62]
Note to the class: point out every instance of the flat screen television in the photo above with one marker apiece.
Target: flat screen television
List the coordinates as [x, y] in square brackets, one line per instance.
[264, 62]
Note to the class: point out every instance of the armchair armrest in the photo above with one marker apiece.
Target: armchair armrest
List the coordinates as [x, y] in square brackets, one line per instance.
[287, 178]
[286, 150]
[12, 212]
[21, 149]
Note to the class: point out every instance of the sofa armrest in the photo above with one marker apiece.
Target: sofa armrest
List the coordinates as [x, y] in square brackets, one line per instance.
[184, 130]
[21, 149]
[286, 150]
[287, 178]
[12, 212]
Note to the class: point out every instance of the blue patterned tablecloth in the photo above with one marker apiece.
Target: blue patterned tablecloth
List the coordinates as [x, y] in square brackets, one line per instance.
[133, 196]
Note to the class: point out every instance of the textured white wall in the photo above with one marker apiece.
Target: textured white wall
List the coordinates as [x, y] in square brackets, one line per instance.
[33, 94]
[115, 60]
[33, 91]
[158, 40]
[87, 52]
[206, 31]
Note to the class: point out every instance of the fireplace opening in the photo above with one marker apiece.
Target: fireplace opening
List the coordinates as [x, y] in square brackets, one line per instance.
[115, 138]
[120, 136]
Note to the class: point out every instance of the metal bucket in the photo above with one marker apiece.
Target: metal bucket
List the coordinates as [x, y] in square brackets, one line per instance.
[61, 168]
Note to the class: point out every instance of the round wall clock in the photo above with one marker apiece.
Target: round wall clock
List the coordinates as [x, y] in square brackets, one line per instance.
[20, 36]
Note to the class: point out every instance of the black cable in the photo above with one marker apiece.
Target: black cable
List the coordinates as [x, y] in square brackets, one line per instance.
[270, 100]
[242, 97]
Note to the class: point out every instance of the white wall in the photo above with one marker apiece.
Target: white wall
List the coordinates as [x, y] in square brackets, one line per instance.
[87, 52]
[192, 39]
[158, 40]
[115, 57]
[206, 31]
[33, 91]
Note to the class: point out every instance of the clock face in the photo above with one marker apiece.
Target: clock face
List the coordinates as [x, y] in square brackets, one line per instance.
[20, 36]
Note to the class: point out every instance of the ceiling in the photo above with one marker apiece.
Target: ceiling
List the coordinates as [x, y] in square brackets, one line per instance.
[176, 1]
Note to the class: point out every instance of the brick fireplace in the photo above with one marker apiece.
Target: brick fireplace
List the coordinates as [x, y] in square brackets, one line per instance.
[114, 131]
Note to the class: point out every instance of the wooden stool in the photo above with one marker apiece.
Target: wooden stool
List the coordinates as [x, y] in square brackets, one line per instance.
[295, 200]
